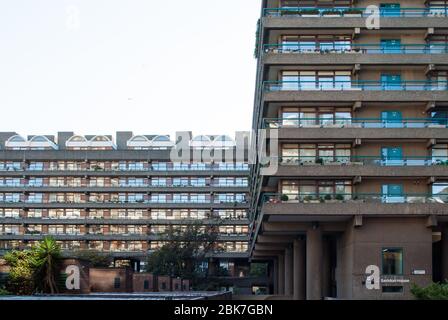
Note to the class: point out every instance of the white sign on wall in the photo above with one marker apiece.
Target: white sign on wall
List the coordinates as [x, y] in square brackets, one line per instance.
[73, 278]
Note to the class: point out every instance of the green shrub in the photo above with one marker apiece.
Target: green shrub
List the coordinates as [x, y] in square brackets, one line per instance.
[435, 291]
[4, 292]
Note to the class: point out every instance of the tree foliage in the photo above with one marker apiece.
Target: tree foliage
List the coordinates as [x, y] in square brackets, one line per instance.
[20, 278]
[34, 270]
[96, 259]
[46, 265]
[185, 250]
[435, 291]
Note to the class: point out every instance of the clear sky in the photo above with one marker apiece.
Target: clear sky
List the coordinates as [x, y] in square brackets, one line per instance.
[152, 67]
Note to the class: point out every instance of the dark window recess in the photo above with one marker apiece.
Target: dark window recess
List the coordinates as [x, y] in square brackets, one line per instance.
[146, 284]
[163, 286]
[177, 286]
[117, 283]
[392, 289]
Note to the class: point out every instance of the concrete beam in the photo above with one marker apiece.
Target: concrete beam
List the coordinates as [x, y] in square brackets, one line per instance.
[357, 221]
[431, 221]
[275, 239]
[264, 247]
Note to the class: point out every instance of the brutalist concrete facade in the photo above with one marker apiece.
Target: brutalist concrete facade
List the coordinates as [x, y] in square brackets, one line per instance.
[356, 208]
[120, 196]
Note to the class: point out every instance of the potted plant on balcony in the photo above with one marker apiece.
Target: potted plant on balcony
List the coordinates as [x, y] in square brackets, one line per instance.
[332, 13]
[289, 12]
[284, 198]
[320, 161]
[352, 13]
[339, 197]
[307, 199]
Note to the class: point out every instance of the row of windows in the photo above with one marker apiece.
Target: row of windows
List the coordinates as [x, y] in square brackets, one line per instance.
[118, 246]
[131, 214]
[36, 229]
[123, 182]
[121, 166]
[122, 198]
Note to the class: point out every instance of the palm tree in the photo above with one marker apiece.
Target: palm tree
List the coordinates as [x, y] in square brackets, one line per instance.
[46, 265]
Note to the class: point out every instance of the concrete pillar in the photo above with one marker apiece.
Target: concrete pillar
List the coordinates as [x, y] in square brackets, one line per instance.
[445, 254]
[326, 268]
[275, 276]
[314, 263]
[299, 270]
[288, 272]
[281, 274]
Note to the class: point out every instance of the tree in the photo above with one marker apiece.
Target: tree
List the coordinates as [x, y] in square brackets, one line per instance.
[96, 259]
[20, 278]
[185, 250]
[435, 291]
[46, 264]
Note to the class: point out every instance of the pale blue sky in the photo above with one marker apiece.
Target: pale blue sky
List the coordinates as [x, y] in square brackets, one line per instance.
[98, 66]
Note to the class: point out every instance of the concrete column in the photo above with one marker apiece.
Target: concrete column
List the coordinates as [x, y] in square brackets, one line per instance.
[326, 268]
[275, 275]
[314, 263]
[445, 254]
[288, 272]
[299, 270]
[281, 274]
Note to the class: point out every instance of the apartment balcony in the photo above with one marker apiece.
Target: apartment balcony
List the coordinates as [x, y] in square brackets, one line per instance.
[355, 90]
[326, 18]
[107, 237]
[116, 221]
[119, 173]
[362, 166]
[127, 205]
[368, 54]
[342, 207]
[24, 188]
[358, 128]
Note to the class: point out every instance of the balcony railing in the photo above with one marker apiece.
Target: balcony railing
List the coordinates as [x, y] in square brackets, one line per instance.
[441, 198]
[366, 123]
[355, 85]
[362, 160]
[341, 48]
[357, 12]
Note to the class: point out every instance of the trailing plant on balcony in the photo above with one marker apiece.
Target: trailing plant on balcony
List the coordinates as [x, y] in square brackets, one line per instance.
[339, 197]
[331, 13]
[328, 197]
[352, 11]
[319, 161]
[309, 12]
[284, 198]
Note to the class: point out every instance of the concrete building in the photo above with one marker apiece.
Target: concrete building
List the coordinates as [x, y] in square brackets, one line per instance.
[360, 194]
[120, 196]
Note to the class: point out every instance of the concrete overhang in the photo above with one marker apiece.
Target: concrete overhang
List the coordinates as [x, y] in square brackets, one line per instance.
[351, 171]
[298, 59]
[292, 22]
[361, 133]
[355, 95]
[301, 212]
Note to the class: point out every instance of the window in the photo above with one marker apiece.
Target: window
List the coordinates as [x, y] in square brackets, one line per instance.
[146, 284]
[117, 283]
[392, 261]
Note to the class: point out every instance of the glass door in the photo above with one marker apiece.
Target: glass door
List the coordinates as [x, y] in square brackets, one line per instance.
[391, 82]
[392, 156]
[391, 46]
[392, 193]
[390, 9]
[392, 119]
